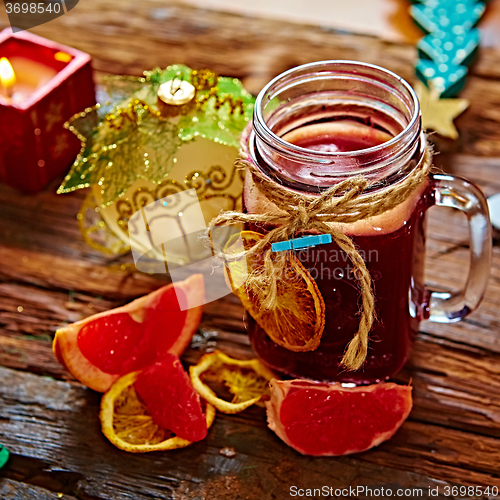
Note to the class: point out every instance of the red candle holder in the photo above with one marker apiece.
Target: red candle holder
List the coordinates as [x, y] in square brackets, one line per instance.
[35, 148]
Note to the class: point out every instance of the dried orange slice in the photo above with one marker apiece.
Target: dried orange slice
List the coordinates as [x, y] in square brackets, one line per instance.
[127, 423]
[297, 323]
[247, 380]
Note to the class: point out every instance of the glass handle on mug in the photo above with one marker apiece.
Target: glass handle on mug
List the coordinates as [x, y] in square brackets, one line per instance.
[456, 192]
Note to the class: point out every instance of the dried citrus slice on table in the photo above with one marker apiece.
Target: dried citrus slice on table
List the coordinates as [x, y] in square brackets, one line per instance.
[330, 420]
[247, 380]
[298, 321]
[155, 409]
[99, 349]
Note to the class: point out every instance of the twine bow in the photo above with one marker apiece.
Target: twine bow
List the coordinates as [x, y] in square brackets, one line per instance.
[297, 214]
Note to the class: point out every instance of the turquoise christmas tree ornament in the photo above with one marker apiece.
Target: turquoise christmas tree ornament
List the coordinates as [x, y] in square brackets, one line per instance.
[443, 60]
[446, 48]
[451, 16]
[445, 79]
[450, 44]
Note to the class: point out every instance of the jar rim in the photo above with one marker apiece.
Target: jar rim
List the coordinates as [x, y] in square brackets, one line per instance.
[265, 133]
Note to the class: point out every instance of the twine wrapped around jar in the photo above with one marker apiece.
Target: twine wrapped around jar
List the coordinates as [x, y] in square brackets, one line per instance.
[342, 203]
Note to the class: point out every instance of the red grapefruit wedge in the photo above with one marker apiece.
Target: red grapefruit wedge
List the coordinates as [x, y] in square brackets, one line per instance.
[169, 395]
[101, 348]
[330, 420]
[155, 409]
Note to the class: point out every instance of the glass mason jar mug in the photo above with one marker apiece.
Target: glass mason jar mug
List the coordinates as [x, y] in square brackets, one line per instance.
[317, 125]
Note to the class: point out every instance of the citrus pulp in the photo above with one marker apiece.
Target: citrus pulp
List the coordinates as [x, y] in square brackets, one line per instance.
[154, 409]
[327, 419]
[99, 349]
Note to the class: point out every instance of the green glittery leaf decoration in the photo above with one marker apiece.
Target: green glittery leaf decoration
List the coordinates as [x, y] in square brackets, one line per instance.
[176, 70]
[118, 169]
[115, 158]
[156, 77]
[220, 125]
[126, 138]
[122, 88]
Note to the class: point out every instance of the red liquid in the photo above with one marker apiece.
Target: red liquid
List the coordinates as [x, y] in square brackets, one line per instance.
[395, 261]
[340, 136]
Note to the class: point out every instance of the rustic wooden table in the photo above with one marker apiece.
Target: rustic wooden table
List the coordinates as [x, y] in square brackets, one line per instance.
[49, 277]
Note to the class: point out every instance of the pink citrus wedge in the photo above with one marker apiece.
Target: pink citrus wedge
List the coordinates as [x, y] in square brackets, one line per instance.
[329, 420]
[101, 348]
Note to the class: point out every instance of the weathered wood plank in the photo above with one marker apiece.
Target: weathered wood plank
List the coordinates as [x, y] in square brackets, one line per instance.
[78, 274]
[13, 490]
[447, 377]
[454, 385]
[57, 423]
[32, 355]
[465, 379]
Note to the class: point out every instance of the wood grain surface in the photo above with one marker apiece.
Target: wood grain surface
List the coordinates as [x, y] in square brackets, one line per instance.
[49, 277]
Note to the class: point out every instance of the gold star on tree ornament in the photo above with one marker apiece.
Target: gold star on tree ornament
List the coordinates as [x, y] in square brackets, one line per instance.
[449, 46]
[438, 114]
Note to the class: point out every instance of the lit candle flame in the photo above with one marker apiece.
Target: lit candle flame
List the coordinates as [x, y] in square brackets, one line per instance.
[7, 75]
[62, 57]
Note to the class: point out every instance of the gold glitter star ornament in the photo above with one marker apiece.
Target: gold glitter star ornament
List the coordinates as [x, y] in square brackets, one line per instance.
[438, 114]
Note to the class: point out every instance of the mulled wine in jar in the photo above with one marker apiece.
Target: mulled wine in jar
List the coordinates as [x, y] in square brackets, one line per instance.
[323, 125]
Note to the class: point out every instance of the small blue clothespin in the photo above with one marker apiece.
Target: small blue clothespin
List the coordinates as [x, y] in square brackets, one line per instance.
[302, 242]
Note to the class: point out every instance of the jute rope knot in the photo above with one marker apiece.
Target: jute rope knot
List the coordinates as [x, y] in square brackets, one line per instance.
[303, 214]
[347, 202]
